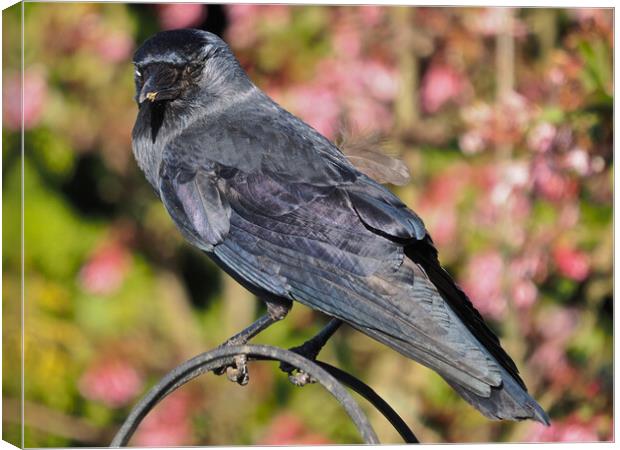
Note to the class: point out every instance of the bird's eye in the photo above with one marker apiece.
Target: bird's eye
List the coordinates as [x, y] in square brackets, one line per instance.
[138, 74]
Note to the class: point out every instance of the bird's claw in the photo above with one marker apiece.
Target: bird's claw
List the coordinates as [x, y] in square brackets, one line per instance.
[237, 372]
[296, 376]
[300, 378]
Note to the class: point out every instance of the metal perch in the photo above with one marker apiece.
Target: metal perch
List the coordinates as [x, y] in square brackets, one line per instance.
[331, 378]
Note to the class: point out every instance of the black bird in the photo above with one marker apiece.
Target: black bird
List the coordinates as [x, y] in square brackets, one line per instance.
[281, 209]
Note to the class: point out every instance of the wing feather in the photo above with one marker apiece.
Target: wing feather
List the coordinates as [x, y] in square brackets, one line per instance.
[196, 203]
[341, 280]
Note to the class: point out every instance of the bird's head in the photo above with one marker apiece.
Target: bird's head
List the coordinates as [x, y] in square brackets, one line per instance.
[185, 65]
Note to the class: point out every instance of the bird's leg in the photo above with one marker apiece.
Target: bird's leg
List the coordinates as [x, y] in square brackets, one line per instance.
[238, 371]
[310, 350]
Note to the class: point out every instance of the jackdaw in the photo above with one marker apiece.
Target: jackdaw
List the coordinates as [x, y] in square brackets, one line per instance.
[283, 211]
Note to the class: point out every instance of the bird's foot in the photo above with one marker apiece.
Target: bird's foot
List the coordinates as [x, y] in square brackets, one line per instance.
[308, 350]
[237, 372]
[301, 378]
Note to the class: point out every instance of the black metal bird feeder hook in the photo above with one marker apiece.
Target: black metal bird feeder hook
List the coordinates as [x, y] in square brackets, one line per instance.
[331, 378]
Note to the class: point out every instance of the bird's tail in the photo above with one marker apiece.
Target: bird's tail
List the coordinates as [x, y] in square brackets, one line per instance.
[510, 399]
[507, 401]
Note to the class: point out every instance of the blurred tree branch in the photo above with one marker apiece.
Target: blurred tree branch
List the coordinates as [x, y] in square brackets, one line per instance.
[505, 64]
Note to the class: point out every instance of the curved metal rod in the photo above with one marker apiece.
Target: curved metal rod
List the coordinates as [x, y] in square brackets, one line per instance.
[358, 386]
[369, 394]
[223, 356]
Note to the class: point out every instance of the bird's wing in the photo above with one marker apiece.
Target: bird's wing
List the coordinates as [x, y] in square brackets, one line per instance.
[383, 212]
[321, 254]
[195, 202]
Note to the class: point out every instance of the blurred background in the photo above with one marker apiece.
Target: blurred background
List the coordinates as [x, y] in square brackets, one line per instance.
[504, 118]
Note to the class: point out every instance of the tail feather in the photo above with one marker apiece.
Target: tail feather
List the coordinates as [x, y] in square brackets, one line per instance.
[506, 402]
[424, 253]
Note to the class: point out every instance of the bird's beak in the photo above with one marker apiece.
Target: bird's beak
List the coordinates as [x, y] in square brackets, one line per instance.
[148, 91]
[160, 85]
[151, 96]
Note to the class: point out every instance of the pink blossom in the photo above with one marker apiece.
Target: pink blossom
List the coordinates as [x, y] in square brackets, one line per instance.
[541, 137]
[241, 31]
[11, 104]
[571, 263]
[556, 76]
[529, 265]
[598, 16]
[569, 215]
[593, 388]
[513, 177]
[524, 293]
[516, 174]
[578, 160]
[519, 206]
[471, 142]
[110, 381]
[578, 433]
[571, 429]
[180, 15]
[347, 41]
[371, 15]
[477, 114]
[485, 177]
[483, 283]
[381, 80]
[489, 21]
[335, 74]
[443, 223]
[487, 212]
[35, 96]
[287, 429]
[115, 47]
[557, 187]
[550, 359]
[242, 11]
[440, 84]
[598, 164]
[558, 325]
[318, 106]
[443, 189]
[552, 184]
[438, 203]
[512, 114]
[167, 425]
[85, 34]
[366, 114]
[358, 90]
[105, 270]
[492, 21]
